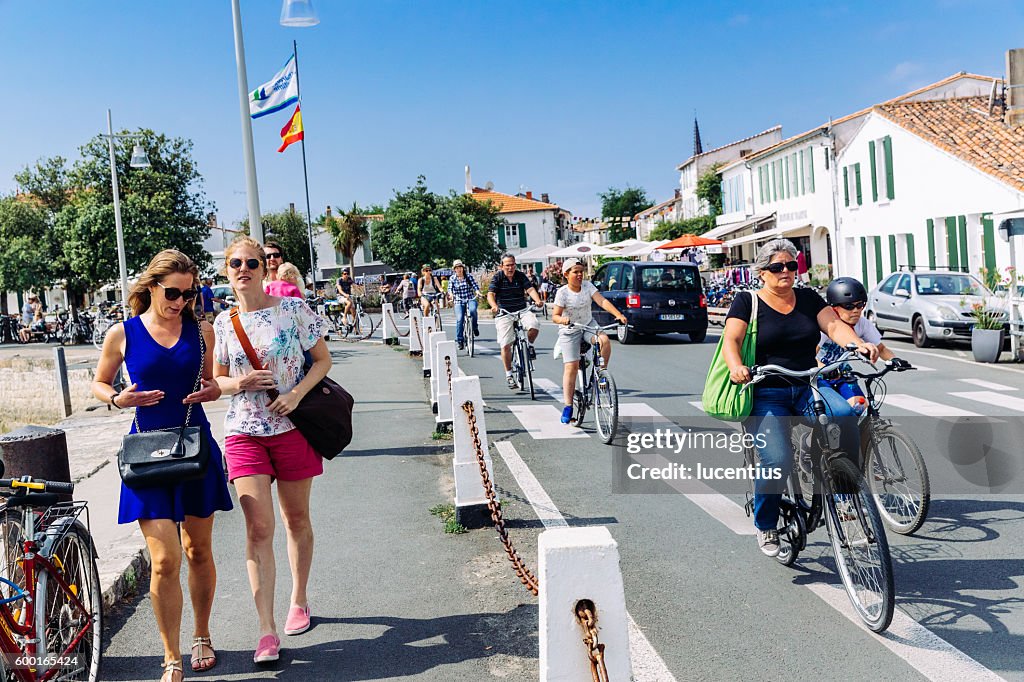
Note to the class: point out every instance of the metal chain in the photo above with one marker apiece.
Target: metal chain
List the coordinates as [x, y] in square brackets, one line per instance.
[416, 326]
[595, 649]
[448, 366]
[524, 574]
[392, 318]
[195, 389]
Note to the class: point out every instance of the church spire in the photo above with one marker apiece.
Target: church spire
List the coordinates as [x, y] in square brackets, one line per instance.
[698, 148]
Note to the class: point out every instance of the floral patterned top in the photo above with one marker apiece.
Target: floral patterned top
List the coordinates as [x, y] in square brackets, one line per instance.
[279, 335]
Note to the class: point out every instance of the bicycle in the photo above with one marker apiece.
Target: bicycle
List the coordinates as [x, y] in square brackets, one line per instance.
[468, 328]
[107, 316]
[362, 323]
[435, 308]
[595, 387]
[522, 365]
[50, 602]
[843, 498]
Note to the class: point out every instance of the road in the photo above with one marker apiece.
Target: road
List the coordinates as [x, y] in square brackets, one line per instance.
[410, 603]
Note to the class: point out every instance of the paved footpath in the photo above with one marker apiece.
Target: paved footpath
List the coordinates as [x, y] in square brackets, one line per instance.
[393, 597]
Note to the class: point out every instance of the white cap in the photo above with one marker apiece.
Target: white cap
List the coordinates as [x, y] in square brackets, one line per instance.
[458, 263]
[569, 264]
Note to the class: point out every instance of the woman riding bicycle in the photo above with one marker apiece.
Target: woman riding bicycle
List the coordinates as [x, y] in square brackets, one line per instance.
[789, 325]
[572, 307]
[428, 288]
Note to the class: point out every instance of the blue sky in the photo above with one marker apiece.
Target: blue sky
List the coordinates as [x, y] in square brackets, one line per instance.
[562, 97]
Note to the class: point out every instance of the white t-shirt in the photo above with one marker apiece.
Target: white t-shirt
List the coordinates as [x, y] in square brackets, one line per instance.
[576, 305]
[830, 350]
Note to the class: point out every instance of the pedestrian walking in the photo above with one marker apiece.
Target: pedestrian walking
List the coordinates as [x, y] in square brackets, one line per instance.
[209, 299]
[163, 346]
[262, 445]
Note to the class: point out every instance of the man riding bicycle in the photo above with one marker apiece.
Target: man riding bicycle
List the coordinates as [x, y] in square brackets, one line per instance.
[344, 289]
[463, 290]
[508, 291]
[572, 307]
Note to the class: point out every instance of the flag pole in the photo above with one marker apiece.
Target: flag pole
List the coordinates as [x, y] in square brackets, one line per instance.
[305, 175]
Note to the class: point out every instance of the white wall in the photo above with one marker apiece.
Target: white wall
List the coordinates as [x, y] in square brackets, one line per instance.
[540, 229]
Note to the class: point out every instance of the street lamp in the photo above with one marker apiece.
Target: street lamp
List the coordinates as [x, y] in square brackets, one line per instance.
[139, 160]
[298, 13]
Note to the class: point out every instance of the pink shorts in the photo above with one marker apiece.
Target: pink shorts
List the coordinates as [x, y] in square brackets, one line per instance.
[286, 456]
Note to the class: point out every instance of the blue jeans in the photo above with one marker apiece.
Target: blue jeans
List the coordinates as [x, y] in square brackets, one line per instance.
[772, 407]
[460, 311]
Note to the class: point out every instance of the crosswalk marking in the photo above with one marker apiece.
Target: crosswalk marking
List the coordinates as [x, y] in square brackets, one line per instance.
[698, 404]
[549, 387]
[1000, 400]
[990, 385]
[543, 422]
[638, 410]
[926, 407]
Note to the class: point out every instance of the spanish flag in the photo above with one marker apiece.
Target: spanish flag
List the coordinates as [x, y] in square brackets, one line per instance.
[292, 131]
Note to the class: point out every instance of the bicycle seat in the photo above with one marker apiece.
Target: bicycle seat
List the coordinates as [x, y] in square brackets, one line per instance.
[33, 500]
[584, 346]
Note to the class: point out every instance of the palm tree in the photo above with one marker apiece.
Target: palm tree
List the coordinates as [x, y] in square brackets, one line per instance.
[349, 232]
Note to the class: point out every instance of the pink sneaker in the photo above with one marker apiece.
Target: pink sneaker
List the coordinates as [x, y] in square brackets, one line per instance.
[298, 620]
[268, 649]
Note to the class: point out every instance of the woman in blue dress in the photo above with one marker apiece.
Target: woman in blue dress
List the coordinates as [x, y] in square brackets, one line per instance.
[160, 345]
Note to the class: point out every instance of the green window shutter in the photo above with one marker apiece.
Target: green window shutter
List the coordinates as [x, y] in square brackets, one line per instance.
[803, 172]
[856, 178]
[878, 260]
[846, 185]
[988, 241]
[538, 268]
[892, 253]
[864, 260]
[874, 180]
[965, 261]
[785, 176]
[911, 256]
[953, 259]
[810, 165]
[794, 172]
[930, 229]
[890, 190]
[775, 183]
[501, 235]
[522, 235]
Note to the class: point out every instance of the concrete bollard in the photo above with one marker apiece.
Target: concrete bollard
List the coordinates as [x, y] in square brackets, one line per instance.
[427, 328]
[415, 331]
[470, 499]
[388, 331]
[576, 564]
[36, 451]
[436, 371]
[443, 397]
[61, 366]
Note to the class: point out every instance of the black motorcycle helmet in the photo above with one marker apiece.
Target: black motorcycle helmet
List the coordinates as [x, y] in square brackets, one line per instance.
[845, 290]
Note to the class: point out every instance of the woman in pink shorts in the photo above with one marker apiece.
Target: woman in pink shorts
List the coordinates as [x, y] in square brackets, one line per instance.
[262, 444]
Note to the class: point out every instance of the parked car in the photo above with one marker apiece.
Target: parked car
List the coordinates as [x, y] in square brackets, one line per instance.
[656, 298]
[226, 294]
[930, 305]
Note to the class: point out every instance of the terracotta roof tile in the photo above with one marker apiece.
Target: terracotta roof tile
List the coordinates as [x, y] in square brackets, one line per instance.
[962, 127]
[508, 203]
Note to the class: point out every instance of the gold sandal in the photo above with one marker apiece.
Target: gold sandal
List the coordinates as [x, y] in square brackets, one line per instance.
[203, 663]
[171, 667]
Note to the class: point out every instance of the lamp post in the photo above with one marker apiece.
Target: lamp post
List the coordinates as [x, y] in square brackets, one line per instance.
[138, 160]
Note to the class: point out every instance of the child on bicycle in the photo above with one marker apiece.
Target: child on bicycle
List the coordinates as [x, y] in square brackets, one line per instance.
[572, 307]
[848, 298]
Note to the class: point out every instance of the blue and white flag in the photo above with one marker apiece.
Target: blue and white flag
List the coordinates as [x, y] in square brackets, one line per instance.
[279, 92]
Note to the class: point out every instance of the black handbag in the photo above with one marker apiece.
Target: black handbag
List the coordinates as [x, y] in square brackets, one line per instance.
[164, 457]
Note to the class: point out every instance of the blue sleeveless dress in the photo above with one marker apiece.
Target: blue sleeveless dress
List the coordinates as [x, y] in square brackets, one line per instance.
[173, 371]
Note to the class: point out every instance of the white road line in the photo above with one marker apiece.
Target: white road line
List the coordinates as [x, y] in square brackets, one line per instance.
[926, 652]
[698, 404]
[543, 422]
[648, 666]
[1001, 400]
[926, 407]
[1000, 366]
[992, 386]
[548, 386]
[638, 410]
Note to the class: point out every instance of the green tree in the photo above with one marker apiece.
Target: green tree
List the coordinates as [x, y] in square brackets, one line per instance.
[619, 204]
[709, 189]
[420, 226]
[25, 235]
[48, 181]
[349, 231]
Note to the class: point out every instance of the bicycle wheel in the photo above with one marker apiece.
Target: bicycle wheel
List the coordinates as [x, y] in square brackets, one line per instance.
[467, 329]
[896, 474]
[859, 544]
[529, 372]
[60, 618]
[606, 406]
[518, 367]
[364, 325]
[10, 552]
[99, 332]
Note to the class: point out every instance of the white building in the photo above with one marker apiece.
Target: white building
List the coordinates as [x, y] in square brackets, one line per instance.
[691, 169]
[529, 222]
[646, 221]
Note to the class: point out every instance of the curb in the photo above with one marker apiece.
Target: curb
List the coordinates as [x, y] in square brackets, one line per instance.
[126, 582]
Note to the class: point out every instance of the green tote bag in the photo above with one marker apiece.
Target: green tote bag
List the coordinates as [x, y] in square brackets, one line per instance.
[723, 399]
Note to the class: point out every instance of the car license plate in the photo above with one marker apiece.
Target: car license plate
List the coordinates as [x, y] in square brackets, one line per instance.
[673, 316]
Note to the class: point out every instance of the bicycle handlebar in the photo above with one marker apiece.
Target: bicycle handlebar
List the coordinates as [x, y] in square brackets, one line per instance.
[761, 372]
[28, 483]
[595, 328]
[889, 367]
[519, 313]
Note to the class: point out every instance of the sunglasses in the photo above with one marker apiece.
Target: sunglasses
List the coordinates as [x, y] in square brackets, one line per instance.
[859, 305]
[776, 268]
[273, 255]
[251, 263]
[174, 293]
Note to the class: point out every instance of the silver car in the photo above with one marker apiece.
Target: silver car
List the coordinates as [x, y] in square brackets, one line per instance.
[929, 305]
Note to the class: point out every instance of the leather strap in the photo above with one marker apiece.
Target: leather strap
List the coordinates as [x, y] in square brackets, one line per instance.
[250, 352]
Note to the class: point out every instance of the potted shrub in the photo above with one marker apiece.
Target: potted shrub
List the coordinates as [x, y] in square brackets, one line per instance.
[987, 333]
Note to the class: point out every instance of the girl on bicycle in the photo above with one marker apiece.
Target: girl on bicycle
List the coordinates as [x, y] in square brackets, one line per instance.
[262, 444]
[428, 288]
[572, 307]
[160, 345]
[789, 324]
